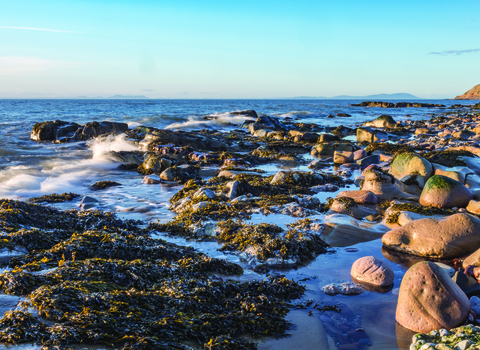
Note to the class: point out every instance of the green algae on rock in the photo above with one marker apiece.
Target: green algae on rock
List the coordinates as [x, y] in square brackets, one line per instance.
[391, 215]
[463, 337]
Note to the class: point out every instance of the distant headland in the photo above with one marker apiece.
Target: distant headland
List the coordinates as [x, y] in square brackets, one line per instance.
[472, 94]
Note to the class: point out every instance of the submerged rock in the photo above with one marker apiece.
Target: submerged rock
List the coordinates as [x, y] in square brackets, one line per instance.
[455, 236]
[429, 299]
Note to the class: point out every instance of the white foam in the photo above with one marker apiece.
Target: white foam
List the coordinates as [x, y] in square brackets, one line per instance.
[59, 175]
[132, 125]
[218, 119]
[293, 114]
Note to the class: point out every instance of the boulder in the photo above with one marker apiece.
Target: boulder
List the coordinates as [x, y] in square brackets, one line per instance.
[52, 130]
[384, 121]
[279, 178]
[94, 129]
[328, 138]
[473, 259]
[180, 138]
[444, 192]
[429, 299]
[373, 271]
[151, 180]
[342, 157]
[249, 113]
[359, 154]
[360, 196]
[406, 164]
[449, 238]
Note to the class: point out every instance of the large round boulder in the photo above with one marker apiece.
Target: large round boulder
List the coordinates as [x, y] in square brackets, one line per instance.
[455, 236]
[443, 192]
[384, 121]
[405, 164]
[429, 299]
[373, 271]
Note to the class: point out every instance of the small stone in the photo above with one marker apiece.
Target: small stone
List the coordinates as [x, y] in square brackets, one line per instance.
[349, 288]
[151, 180]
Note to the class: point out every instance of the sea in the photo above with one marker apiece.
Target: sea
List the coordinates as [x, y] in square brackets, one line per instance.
[31, 169]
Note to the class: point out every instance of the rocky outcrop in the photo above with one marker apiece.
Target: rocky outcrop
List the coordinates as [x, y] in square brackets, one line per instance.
[56, 130]
[472, 94]
[179, 138]
[452, 237]
[94, 129]
[444, 192]
[429, 299]
[53, 130]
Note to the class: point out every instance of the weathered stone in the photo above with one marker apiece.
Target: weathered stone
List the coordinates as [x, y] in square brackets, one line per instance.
[349, 288]
[381, 184]
[444, 192]
[342, 157]
[279, 178]
[452, 237]
[429, 299]
[328, 138]
[360, 196]
[358, 212]
[359, 154]
[407, 163]
[384, 121]
[473, 207]
[372, 270]
[151, 180]
[156, 163]
[367, 134]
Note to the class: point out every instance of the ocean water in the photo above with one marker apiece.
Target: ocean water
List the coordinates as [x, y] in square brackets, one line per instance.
[29, 169]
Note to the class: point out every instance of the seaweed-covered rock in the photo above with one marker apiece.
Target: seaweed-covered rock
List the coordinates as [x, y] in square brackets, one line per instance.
[444, 192]
[54, 198]
[360, 196]
[405, 164]
[384, 121]
[154, 164]
[429, 299]
[373, 271]
[101, 185]
[463, 337]
[52, 130]
[94, 129]
[452, 237]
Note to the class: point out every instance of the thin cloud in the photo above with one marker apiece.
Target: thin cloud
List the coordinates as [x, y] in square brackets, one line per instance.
[41, 29]
[453, 52]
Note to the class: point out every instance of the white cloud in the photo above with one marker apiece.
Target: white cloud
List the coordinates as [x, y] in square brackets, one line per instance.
[11, 65]
[41, 29]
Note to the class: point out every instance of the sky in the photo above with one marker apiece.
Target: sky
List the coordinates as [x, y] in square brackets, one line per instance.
[238, 49]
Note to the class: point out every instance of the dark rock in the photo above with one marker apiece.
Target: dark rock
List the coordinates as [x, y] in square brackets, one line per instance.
[94, 129]
[52, 130]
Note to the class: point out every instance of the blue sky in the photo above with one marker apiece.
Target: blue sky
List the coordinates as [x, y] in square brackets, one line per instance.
[238, 49]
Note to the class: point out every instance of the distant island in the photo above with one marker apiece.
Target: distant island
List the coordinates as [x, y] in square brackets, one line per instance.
[115, 97]
[397, 96]
[472, 94]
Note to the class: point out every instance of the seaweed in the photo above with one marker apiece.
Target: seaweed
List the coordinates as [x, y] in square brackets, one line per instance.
[116, 286]
[448, 158]
[389, 148]
[54, 198]
[394, 211]
[101, 185]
